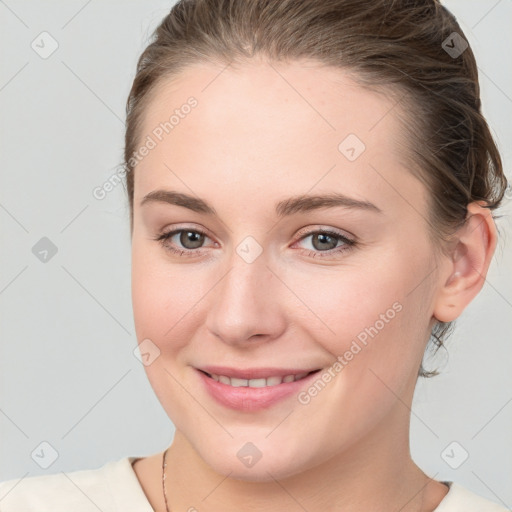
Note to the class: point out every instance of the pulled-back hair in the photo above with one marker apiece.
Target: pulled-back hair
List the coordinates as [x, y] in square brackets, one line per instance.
[412, 50]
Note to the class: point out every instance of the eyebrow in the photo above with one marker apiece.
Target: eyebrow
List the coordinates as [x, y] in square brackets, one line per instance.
[286, 207]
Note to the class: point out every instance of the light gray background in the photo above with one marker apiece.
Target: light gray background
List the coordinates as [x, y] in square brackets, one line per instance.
[68, 373]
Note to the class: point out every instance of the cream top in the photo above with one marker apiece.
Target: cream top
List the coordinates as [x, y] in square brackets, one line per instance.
[114, 487]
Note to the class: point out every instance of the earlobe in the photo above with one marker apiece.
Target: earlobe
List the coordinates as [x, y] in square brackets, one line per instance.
[468, 263]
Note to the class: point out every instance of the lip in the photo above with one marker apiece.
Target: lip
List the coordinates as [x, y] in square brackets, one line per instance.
[247, 399]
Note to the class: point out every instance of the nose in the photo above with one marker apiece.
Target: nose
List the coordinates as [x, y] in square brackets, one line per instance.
[245, 305]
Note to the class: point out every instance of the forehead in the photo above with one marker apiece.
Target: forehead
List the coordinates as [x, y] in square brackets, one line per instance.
[261, 122]
[275, 94]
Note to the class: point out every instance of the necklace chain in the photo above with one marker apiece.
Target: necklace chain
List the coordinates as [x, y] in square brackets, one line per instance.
[163, 480]
[164, 464]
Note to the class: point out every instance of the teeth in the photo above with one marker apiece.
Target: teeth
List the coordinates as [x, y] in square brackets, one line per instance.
[238, 383]
[257, 383]
[274, 381]
[224, 380]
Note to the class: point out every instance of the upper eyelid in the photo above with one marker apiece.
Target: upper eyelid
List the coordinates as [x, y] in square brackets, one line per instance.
[178, 229]
[335, 231]
[300, 233]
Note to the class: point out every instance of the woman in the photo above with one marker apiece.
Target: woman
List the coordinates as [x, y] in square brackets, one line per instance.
[258, 132]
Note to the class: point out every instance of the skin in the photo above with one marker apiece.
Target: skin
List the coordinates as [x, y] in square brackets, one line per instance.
[261, 133]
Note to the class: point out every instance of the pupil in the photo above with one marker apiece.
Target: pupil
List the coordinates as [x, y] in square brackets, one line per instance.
[191, 240]
[324, 238]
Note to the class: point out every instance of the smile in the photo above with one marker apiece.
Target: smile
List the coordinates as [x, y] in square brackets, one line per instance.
[257, 383]
[255, 389]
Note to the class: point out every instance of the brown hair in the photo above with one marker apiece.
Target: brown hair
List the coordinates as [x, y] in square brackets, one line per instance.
[400, 47]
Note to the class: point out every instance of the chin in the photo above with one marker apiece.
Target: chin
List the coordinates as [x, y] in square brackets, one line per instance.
[261, 461]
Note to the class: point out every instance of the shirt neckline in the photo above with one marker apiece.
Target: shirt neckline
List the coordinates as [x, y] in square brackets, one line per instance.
[120, 476]
[138, 501]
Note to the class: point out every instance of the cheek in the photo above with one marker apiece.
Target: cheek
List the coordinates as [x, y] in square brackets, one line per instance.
[343, 304]
[379, 320]
[164, 296]
[163, 307]
[376, 316]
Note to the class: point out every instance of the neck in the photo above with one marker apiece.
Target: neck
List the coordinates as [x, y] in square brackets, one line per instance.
[377, 470]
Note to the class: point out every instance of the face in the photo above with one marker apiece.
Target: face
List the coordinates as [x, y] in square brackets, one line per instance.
[256, 280]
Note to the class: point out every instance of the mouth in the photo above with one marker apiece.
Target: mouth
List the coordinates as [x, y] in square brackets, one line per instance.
[254, 389]
[261, 382]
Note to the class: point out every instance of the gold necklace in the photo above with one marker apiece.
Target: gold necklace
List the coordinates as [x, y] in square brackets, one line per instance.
[163, 480]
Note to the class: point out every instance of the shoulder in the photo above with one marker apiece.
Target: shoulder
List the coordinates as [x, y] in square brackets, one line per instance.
[460, 499]
[104, 489]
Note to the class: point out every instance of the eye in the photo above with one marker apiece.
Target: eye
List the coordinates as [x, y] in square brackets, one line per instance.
[188, 241]
[326, 243]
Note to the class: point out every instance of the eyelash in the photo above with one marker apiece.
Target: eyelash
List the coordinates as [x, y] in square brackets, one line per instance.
[348, 243]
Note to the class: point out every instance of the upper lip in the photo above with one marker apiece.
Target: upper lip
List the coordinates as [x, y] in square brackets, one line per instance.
[254, 373]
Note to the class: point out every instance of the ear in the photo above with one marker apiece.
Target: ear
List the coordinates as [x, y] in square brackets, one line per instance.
[468, 263]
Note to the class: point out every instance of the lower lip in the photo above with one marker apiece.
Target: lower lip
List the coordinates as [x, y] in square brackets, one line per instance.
[247, 399]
